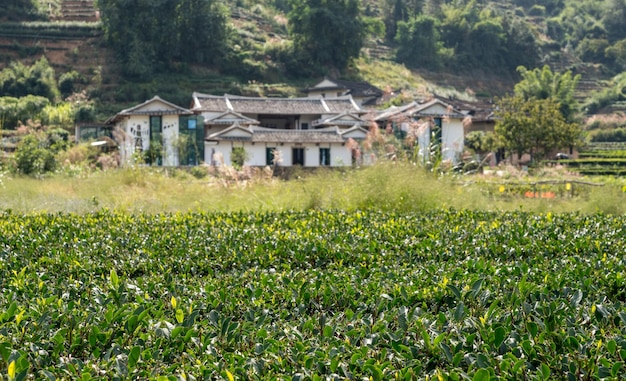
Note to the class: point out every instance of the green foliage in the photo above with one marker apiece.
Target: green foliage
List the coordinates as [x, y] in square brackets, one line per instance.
[612, 135]
[238, 157]
[396, 11]
[68, 82]
[485, 38]
[327, 34]
[16, 110]
[36, 152]
[544, 84]
[615, 91]
[295, 295]
[154, 154]
[33, 157]
[534, 126]
[19, 80]
[419, 44]
[21, 10]
[480, 141]
[149, 36]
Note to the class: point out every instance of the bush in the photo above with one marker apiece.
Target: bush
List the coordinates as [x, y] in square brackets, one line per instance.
[238, 157]
[613, 135]
[33, 157]
[67, 82]
[199, 172]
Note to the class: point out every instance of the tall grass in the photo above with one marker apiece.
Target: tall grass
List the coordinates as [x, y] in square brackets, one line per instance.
[391, 187]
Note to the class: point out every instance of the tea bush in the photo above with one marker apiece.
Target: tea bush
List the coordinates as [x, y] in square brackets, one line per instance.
[312, 295]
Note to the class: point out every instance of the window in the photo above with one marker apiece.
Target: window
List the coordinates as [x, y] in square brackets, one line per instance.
[155, 150]
[436, 132]
[270, 155]
[435, 137]
[190, 142]
[324, 156]
[191, 124]
[156, 128]
[304, 126]
[298, 156]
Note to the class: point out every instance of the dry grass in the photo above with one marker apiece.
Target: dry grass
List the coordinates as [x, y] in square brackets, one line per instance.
[392, 187]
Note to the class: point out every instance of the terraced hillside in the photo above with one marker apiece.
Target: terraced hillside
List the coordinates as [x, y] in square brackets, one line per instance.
[79, 10]
[72, 41]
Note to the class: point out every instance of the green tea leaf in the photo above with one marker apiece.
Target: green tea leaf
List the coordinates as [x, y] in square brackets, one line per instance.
[180, 316]
[481, 375]
[114, 280]
[499, 335]
[133, 356]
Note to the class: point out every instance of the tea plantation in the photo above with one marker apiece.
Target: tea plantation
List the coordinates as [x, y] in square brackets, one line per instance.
[320, 295]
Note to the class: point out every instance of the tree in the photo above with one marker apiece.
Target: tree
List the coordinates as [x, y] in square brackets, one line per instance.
[19, 80]
[326, 33]
[202, 29]
[534, 126]
[20, 9]
[36, 152]
[544, 84]
[418, 43]
[149, 35]
[13, 110]
[397, 11]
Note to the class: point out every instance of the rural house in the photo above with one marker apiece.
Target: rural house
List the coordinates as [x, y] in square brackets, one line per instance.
[312, 131]
[362, 93]
[432, 123]
[160, 126]
[309, 132]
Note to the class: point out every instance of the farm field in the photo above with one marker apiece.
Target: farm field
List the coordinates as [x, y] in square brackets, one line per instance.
[312, 295]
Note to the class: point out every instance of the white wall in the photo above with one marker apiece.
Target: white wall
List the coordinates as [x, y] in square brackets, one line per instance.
[170, 137]
[170, 129]
[452, 140]
[340, 155]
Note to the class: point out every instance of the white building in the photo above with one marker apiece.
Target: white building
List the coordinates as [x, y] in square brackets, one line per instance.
[433, 124]
[156, 124]
[309, 132]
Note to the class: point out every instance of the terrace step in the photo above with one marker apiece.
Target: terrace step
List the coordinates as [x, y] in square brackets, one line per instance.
[78, 10]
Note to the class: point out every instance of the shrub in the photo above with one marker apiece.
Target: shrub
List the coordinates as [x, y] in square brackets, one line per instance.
[238, 157]
[33, 157]
[613, 135]
[199, 172]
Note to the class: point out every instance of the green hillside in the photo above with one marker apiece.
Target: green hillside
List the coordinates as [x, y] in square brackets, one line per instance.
[276, 47]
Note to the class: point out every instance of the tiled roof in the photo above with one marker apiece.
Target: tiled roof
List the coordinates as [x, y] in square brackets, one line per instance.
[356, 89]
[394, 112]
[480, 111]
[342, 104]
[209, 102]
[343, 119]
[271, 135]
[171, 109]
[275, 106]
[229, 118]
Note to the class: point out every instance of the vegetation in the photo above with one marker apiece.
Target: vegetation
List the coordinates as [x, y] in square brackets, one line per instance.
[534, 126]
[544, 84]
[19, 80]
[309, 295]
[81, 185]
[21, 9]
[194, 32]
[37, 152]
[326, 33]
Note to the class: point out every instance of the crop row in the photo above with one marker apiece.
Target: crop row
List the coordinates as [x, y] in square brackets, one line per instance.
[312, 295]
